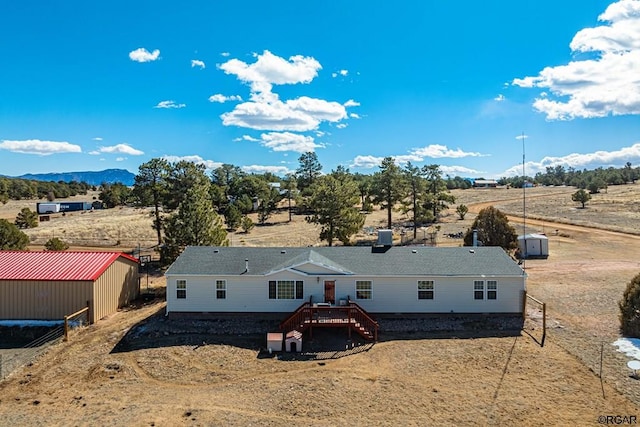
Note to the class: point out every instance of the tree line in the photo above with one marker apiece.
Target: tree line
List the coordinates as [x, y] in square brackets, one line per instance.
[193, 207]
[591, 180]
[20, 189]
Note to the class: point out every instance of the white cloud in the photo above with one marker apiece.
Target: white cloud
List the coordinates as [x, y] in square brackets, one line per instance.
[169, 104]
[42, 148]
[341, 125]
[287, 141]
[343, 73]
[120, 159]
[143, 55]
[354, 115]
[209, 165]
[97, 138]
[459, 171]
[366, 162]
[119, 149]
[416, 155]
[225, 54]
[265, 111]
[218, 97]
[301, 114]
[276, 170]
[198, 63]
[351, 103]
[499, 98]
[522, 136]
[273, 69]
[249, 138]
[437, 151]
[616, 158]
[602, 85]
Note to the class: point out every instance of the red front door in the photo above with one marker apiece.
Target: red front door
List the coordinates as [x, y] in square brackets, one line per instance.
[330, 291]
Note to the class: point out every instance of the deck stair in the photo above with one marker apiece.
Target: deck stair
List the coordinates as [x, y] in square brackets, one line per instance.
[350, 315]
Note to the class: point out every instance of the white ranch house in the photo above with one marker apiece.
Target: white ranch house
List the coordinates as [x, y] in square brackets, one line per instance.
[381, 280]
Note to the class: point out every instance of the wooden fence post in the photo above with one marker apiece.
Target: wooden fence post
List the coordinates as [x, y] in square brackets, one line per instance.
[544, 322]
[66, 328]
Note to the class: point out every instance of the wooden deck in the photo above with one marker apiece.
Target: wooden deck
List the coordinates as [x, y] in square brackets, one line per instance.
[350, 316]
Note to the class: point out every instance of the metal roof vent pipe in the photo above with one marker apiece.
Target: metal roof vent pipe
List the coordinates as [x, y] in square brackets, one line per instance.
[475, 238]
[246, 265]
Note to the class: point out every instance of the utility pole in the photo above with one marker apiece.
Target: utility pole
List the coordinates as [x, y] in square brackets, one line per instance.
[524, 206]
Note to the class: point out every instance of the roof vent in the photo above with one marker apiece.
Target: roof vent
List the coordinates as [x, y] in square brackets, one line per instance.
[385, 238]
[283, 251]
[215, 251]
[413, 251]
[472, 251]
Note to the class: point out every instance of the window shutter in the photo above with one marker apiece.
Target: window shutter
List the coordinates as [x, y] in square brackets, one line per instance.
[299, 289]
[272, 289]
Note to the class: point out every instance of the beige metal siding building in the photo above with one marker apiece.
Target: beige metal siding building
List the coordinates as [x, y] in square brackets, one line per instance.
[50, 285]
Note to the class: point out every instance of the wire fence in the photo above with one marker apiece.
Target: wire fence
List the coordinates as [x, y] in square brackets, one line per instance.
[12, 359]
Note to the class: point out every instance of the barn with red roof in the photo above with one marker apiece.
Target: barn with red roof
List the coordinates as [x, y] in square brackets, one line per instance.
[49, 285]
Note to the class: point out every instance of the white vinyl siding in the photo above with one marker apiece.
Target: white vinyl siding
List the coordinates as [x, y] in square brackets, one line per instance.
[249, 294]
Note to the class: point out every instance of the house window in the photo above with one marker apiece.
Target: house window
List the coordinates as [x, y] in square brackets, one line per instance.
[181, 289]
[478, 289]
[492, 289]
[286, 289]
[364, 289]
[221, 289]
[425, 289]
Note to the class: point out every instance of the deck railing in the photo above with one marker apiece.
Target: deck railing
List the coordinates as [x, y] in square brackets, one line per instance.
[351, 315]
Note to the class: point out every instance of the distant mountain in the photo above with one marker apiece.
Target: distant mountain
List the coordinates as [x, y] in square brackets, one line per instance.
[110, 176]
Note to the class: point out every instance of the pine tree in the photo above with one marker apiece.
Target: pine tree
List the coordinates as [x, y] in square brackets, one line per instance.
[388, 186]
[334, 201]
[11, 238]
[195, 223]
[438, 196]
[151, 188]
[26, 218]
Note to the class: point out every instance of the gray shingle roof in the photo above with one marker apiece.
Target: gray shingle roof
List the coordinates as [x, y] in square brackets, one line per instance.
[358, 260]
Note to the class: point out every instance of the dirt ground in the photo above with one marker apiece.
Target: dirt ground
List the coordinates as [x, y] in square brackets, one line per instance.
[129, 369]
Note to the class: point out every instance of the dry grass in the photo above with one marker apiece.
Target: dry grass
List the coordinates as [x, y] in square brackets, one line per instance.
[407, 380]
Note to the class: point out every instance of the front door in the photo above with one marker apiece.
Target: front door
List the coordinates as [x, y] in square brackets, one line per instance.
[330, 291]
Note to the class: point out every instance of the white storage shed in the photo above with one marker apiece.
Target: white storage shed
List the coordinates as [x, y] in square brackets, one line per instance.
[533, 245]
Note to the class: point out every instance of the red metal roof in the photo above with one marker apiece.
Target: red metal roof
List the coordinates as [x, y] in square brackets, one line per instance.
[54, 265]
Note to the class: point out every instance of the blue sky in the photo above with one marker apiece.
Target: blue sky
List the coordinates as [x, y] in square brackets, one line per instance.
[90, 85]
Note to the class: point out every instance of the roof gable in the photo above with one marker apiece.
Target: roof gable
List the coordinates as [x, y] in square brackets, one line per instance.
[56, 265]
[311, 262]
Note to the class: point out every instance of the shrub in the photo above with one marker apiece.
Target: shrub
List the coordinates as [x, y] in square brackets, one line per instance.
[630, 309]
[246, 224]
[55, 244]
[462, 210]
